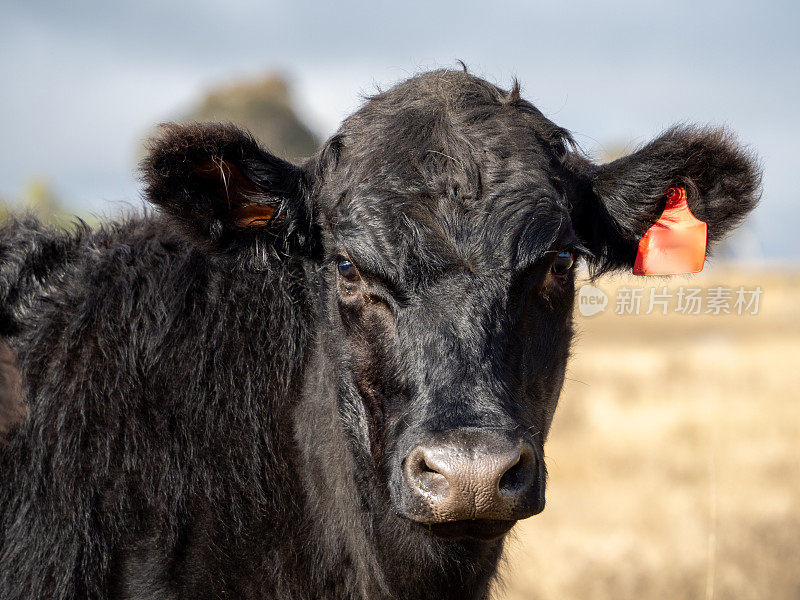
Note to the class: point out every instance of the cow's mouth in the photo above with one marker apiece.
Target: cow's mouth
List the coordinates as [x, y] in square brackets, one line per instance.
[480, 529]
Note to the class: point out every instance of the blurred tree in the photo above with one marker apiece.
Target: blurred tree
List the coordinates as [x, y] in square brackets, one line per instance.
[613, 151]
[39, 198]
[265, 107]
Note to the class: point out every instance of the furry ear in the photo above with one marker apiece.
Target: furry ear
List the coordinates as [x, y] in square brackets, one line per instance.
[613, 205]
[222, 189]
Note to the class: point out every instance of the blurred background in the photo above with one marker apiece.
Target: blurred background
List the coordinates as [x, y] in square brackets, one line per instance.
[675, 454]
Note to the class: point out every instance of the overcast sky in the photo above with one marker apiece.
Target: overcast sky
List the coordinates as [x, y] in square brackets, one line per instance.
[81, 82]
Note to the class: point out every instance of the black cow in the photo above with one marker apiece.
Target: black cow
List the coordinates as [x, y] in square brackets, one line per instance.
[332, 380]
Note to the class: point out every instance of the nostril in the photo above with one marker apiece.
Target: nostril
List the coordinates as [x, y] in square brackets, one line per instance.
[518, 478]
[425, 475]
[511, 479]
[424, 467]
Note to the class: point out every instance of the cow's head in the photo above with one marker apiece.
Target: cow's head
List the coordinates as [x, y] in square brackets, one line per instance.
[443, 223]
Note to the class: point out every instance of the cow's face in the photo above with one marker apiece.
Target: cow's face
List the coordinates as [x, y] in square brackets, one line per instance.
[449, 278]
[443, 223]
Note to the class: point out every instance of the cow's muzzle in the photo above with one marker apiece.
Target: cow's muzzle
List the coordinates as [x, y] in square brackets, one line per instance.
[472, 475]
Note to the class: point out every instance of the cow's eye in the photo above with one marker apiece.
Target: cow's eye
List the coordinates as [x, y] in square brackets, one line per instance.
[348, 271]
[563, 262]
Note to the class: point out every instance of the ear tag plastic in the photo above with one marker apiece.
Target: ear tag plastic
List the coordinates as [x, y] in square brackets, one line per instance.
[676, 243]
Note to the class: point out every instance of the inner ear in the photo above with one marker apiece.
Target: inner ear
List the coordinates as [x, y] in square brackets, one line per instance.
[246, 203]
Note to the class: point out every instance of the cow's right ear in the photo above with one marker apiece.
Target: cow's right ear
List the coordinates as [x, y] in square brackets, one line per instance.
[224, 191]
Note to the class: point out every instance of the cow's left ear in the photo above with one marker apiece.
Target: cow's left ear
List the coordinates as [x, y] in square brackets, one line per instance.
[223, 190]
[614, 204]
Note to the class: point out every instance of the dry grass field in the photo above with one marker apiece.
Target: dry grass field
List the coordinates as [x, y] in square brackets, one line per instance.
[674, 457]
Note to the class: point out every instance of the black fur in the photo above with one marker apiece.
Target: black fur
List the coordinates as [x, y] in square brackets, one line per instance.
[12, 407]
[214, 412]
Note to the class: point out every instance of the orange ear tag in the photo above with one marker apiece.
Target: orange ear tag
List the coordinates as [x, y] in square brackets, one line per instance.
[676, 243]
